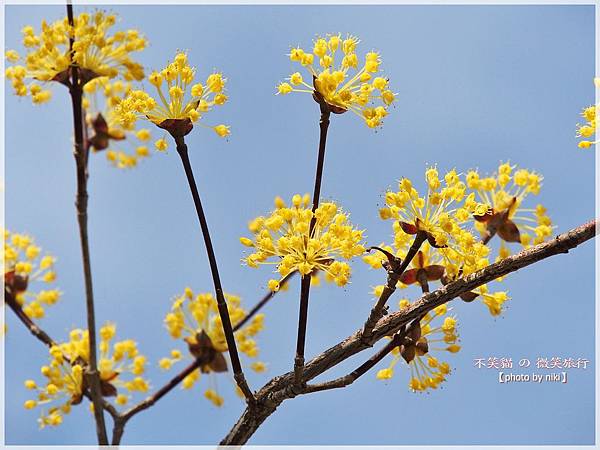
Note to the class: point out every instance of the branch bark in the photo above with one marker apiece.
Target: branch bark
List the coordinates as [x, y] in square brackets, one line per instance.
[238, 373]
[281, 388]
[305, 282]
[81, 203]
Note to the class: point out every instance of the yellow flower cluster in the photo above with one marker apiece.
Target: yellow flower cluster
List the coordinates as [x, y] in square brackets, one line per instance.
[493, 300]
[504, 193]
[427, 372]
[441, 265]
[284, 236]
[196, 319]
[341, 84]
[440, 216]
[176, 109]
[95, 52]
[101, 98]
[121, 368]
[587, 131]
[24, 265]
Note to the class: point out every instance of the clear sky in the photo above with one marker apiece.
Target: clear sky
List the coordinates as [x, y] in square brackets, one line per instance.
[477, 85]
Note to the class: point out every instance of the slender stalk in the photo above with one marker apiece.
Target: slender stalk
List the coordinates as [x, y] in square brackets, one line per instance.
[395, 270]
[122, 419]
[81, 203]
[305, 282]
[396, 340]
[26, 320]
[360, 370]
[238, 374]
[263, 301]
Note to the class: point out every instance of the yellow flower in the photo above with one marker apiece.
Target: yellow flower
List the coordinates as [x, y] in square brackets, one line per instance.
[195, 319]
[439, 216]
[504, 193]
[342, 87]
[95, 52]
[493, 300]
[108, 134]
[283, 237]
[587, 131]
[436, 333]
[120, 370]
[179, 103]
[24, 269]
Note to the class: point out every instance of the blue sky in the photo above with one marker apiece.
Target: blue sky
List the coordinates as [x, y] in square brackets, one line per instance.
[477, 85]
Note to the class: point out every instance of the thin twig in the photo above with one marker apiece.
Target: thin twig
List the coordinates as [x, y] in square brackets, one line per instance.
[75, 89]
[263, 301]
[280, 388]
[238, 373]
[395, 341]
[29, 324]
[347, 380]
[120, 422]
[305, 282]
[395, 269]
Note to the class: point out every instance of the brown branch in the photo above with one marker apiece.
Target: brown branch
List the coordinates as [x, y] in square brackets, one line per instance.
[395, 269]
[305, 282]
[280, 388]
[29, 324]
[238, 373]
[122, 420]
[81, 202]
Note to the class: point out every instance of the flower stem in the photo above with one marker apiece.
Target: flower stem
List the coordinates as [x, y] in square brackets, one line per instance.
[305, 282]
[81, 203]
[238, 374]
[395, 270]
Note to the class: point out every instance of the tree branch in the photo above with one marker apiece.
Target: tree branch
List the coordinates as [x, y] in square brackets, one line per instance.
[238, 373]
[81, 202]
[395, 269]
[305, 282]
[280, 388]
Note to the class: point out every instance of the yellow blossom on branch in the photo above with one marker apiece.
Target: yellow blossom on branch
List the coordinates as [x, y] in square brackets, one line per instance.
[283, 239]
[435, 333]
[124, 147]
[440, 216]
[178, 103]
[195, 319]
[587, 131]
[504, 193]
[120, 365]
[24, 269]
[337, 81]
[95, 52]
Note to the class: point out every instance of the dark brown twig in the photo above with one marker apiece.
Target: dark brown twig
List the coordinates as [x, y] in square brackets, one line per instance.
[263, 301]
[395, 269]
[26, 320]
[122, 420]
[305, 282]
[81, 203]
[238, 374]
